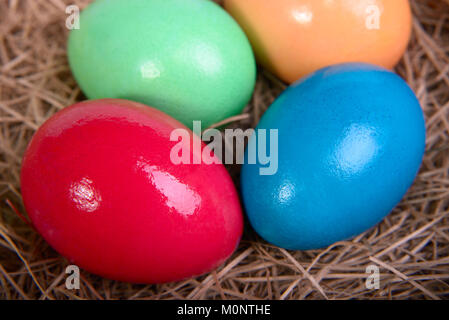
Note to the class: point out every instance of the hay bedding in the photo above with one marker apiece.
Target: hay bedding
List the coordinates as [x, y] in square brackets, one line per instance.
[411, 246]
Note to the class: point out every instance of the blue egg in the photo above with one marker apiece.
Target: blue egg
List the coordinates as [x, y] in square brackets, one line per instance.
[350, 141]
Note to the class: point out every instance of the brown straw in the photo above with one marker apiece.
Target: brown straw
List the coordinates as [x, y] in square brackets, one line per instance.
[410, 247]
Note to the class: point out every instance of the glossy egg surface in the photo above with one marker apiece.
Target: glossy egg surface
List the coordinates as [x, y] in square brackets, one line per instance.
[99, 185]
[351, 141]
[188, 58]
[293, 38]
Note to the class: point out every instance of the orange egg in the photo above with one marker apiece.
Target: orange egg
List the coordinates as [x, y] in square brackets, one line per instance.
[292, 38]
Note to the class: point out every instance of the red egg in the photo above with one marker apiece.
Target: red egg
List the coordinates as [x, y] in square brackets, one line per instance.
[99, 186]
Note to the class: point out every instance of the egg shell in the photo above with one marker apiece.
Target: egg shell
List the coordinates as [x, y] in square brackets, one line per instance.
[351, 140]
[98, 184]
[188, 58]
[293, 38]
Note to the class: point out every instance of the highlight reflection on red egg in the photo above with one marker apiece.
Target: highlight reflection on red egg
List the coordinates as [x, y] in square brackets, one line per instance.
[99, 186]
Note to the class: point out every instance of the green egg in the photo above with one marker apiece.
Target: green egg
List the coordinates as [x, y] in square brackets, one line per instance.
[188, 58]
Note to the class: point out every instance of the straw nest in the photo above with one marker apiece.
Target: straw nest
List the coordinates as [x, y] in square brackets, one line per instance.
[410, 247]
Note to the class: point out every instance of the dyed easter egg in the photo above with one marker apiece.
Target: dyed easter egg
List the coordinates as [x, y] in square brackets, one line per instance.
[99, 185]
[188, 58]
[293, 38]
[351, 139]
